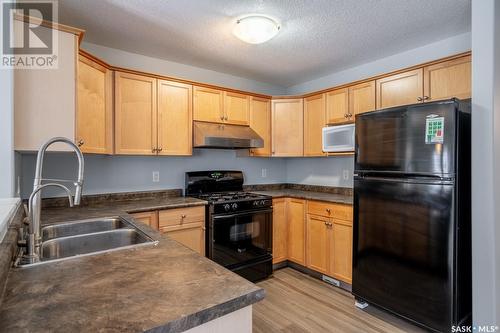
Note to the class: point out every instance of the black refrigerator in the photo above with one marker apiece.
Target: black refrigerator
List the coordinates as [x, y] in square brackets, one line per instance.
[412, 212]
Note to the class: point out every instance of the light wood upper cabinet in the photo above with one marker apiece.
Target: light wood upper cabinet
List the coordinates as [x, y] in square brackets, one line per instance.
[135, 114]
[280, 230]
[337, 106]
[45, 101]
[317, 243]
[287, 127]
[400, 89]
[448, 79]
[296, 230]
[236, 108]
[94, 116]
[260, 122]
[208, 104]
[361, 98]
[314, 121]
[340, 248]
[148, 218]
[175, 118]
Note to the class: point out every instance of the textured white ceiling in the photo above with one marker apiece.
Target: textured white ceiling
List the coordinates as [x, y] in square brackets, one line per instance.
[317, 36]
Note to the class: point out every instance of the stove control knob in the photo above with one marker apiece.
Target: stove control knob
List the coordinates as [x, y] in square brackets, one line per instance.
[227, 207]
[235, 206]
[262, 202]
[255, 203]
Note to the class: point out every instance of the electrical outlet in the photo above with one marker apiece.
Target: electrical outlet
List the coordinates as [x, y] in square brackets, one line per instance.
[264, 173]
[345, 174]
[156, 176]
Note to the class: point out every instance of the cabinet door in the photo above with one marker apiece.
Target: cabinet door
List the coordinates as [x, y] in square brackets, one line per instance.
[94, 120]
[287, 127]
[341, 251]
[296, 230]
[149, 218]
[314, 121]
[260, 122]
[280, 230]
[192, 236]
[135, 114]
[236, 108]
[317, 243]
[361, 98]
[400, 89]
[175, 118]
[208, 105]
[337, 106]
[448, 79]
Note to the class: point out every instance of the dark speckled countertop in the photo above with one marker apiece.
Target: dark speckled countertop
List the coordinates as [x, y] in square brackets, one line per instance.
[308, 192]
[163, 288]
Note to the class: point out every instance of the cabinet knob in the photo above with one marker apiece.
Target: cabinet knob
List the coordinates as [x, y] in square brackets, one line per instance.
[426, 98]
[420, 99]
[225, 118]
[328, 210]
[159, 149]
[183, 216]
[80, 142]
[153, 150]
[221, 117]
[346, 115]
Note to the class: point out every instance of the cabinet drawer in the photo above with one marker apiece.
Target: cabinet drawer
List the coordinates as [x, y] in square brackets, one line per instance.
[178, 216]
[337, 211]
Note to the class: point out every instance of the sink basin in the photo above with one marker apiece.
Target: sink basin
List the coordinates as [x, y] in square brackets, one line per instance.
[83, 227]
[87, 237]
[90, 243]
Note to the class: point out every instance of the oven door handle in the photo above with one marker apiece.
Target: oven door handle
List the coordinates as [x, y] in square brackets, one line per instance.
[264, 211]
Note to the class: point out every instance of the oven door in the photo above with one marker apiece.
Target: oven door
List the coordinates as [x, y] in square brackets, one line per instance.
[240, 238]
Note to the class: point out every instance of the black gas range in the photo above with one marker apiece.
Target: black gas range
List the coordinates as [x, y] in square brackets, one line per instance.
[239, 224]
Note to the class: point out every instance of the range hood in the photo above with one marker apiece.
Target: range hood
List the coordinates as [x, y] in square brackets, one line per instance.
[222, 136]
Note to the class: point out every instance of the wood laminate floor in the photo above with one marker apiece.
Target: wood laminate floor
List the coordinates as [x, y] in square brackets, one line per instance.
[296, 302]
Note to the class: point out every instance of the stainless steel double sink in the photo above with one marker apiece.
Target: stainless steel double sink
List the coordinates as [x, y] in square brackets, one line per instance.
[88, 237]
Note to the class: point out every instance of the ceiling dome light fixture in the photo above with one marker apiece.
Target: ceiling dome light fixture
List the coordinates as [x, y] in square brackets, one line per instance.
[256, 28]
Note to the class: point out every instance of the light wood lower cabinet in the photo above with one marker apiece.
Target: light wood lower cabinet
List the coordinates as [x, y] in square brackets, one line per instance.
[340, 249]
[94, 115]
[280, 230]
[148, 218]
[296, 230]
[314, 234]
[185, 225]
[317, 243]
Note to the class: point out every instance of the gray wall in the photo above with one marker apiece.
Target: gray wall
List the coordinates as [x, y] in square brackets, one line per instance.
[440, 49]
[6, 133]
[134, 173]
[154, 65]
[328, 171]
[486, 162]
[105, 174]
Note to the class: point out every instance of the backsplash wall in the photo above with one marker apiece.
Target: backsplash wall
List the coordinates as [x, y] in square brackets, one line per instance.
[106, 174]
[326, 171]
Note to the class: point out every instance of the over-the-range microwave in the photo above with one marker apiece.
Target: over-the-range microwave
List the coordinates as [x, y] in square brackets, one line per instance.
[338, 138]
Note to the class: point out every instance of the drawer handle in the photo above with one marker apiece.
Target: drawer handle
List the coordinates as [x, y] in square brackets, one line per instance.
[328, 210]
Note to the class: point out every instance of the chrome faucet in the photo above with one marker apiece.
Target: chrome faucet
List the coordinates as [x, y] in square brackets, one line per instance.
[33, 239]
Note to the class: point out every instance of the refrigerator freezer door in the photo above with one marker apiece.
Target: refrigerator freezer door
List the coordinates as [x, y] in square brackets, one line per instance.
[403, 248]
[418, 139]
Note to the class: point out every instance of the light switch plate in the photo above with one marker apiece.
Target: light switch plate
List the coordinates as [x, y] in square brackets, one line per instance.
[156, 176]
